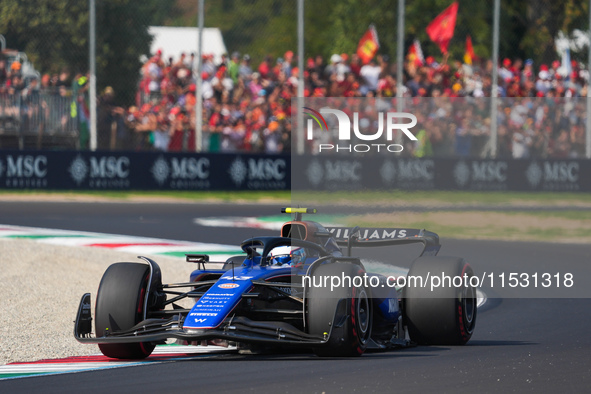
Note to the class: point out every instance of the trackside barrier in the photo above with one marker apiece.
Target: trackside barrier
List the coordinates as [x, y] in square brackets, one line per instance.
[81, 170]
[383, 173]
[34, 119]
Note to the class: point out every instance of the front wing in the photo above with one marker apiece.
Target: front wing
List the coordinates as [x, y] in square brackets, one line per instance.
[238, 329]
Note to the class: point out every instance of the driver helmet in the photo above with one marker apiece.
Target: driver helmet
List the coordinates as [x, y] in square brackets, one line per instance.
[287, 255]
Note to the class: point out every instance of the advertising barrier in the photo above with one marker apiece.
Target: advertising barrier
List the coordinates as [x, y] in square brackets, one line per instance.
[73, 170]
[338, 172]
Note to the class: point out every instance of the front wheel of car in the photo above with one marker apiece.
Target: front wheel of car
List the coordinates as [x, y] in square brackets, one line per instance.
[120, 305]
[342, 314]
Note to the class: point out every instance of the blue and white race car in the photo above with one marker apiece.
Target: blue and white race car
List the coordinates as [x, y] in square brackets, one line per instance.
[301, 289]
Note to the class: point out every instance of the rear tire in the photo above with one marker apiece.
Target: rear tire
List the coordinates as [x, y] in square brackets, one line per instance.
[446, 315]
[120, 306]
[351, 329]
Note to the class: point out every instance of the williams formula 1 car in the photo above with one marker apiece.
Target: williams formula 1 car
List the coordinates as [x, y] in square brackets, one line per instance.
[282, 293]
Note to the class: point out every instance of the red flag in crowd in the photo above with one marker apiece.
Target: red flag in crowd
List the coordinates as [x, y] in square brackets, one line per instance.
[441, 29]
[469, 55]
[368, 45]
[415, 54]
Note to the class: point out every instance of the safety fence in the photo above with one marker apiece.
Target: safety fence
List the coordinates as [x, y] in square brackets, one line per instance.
[34, 119]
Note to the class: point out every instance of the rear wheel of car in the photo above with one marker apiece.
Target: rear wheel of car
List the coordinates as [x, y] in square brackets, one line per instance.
[120, 306]
[344, 312]
[446, 313]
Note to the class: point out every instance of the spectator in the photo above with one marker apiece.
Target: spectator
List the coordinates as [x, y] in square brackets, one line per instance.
[144, 123]
[272, 136]
[81, 110]
[463, 138]
[370, 74]
[522, 141]
[240, 105]
[560, 148]
[286, 66]
[105, 117]
[423, 144]
[3, 72]
[245, 71]
[234, 67]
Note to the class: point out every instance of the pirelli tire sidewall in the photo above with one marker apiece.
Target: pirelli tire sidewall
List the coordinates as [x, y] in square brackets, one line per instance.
[444, 314]
[120, 306]
[344, 313]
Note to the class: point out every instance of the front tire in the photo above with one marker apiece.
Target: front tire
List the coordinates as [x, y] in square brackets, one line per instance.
[350, 307]
[445, 315]
[120, 305]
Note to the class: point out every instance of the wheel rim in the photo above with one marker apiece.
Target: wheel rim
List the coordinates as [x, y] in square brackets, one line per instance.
[469, 306]
[363, 314]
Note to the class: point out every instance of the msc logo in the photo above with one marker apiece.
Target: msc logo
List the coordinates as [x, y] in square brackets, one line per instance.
[487, 171]
[407, 170]
[339, 171]
[99, 167]
[190, 168]
[183, 172]
[109, 167]
[344, 130]
[24, 166]
[24, 171]
[258, 173]
[559, 175]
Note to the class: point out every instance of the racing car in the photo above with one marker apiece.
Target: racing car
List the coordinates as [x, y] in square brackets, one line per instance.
[281, 294]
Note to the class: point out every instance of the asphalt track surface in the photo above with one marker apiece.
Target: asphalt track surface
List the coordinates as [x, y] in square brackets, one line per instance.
[541, 345]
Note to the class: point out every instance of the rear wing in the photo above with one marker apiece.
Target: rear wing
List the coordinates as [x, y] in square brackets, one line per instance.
[378, 236]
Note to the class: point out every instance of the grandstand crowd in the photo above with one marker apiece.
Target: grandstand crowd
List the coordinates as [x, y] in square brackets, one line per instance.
[247, 107]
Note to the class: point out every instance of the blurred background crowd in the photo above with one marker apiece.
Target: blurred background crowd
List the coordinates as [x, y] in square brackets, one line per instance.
[247, 92]
[247, 107]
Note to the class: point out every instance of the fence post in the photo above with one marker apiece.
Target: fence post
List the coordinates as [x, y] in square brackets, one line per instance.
[300, 116]
[199, 98]
[495, 80]
[400, 66]
[588, 136]
[92, 61]
[21, 132]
